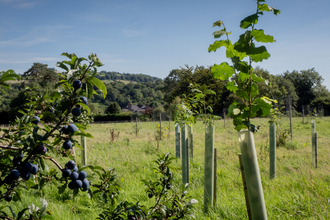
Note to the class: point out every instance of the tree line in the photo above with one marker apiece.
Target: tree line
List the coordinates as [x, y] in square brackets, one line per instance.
[300, 88]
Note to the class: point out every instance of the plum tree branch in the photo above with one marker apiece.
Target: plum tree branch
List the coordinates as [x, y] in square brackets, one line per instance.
[9, 147]
[54, 161]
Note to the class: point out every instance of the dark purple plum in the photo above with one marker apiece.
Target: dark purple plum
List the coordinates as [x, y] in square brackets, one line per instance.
[34, 170]
[67, 145]
[74, 176]
[72, 128]
[77, 184]
[76, 112]
[77, 84]
[82, 175]
[66, 172]
[71, 164]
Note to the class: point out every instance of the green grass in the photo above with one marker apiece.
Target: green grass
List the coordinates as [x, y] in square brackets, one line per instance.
[299, 191]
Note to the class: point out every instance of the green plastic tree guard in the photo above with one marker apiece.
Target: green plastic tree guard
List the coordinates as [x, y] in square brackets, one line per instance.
[190, 140]
[177, 140]
[272, 150]
[252, 175]
[184, 152]
[84, 151]
[209, 167]
[313, 142]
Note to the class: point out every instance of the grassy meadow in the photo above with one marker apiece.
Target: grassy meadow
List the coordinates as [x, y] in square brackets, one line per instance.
[299, 191]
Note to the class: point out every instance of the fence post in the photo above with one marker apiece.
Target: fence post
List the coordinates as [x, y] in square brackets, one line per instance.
[136, 129]
[224, 118]
[84, 145]
[303, 114]
[177, 140]
[209, 167]
[160, 126]
[83, 151]
[313, 142]
[290, 113]
[184, 153]
[315, 150]
[272, 150]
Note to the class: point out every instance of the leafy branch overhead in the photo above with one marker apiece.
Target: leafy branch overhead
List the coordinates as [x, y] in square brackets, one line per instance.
[240, 76]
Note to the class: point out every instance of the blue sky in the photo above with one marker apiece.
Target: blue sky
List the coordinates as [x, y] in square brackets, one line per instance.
[155, 36]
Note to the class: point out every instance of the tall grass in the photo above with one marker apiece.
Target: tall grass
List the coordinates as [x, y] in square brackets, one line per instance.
[299, 191]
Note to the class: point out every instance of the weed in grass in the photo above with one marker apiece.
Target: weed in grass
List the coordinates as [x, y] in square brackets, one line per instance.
[113, 135]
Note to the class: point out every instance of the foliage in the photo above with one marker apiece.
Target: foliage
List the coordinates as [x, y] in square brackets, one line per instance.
[26, 144]
[307, 83]
[177, 84]
[40, 73]
[113, 108]
[29, 143]
[240, 76]
[170, 202]
[7, 76]
[193, 106]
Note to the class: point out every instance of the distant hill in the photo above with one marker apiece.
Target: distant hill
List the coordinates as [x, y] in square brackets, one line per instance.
[124, 77]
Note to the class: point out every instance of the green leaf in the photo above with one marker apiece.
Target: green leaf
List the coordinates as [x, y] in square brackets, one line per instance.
[231, 86]
[217, 23]
[231, 52]
[265, 7]
[219, 33]
[260, 36]
[243, 76]
[258, 54]
[21, 213]
[249, 21]
[61, 65]
[219, 43]
[99, 84]
[42, 163]
[222, 71]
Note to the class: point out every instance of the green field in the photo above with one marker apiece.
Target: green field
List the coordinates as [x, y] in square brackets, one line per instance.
[298, 192]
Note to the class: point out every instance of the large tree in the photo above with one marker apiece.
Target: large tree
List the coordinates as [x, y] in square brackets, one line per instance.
[178, 82]
[40, 73]
[306, 82]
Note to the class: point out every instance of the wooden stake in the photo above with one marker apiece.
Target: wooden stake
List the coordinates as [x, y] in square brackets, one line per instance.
[245, 188]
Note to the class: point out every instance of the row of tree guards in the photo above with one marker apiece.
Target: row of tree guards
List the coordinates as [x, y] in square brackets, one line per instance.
[248, 163]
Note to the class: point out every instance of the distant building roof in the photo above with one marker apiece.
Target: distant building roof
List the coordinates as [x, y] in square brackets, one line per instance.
[136, 108]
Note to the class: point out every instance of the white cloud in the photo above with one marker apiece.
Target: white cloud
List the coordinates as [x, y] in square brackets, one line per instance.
[37, 35]
[21, 3]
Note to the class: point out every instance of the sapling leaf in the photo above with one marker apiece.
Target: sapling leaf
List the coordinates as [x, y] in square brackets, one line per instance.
[258, 54]
[222, 71]
[260, 36]
[219, 43]
[231, 86]
[217, 23]
[249, 21]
